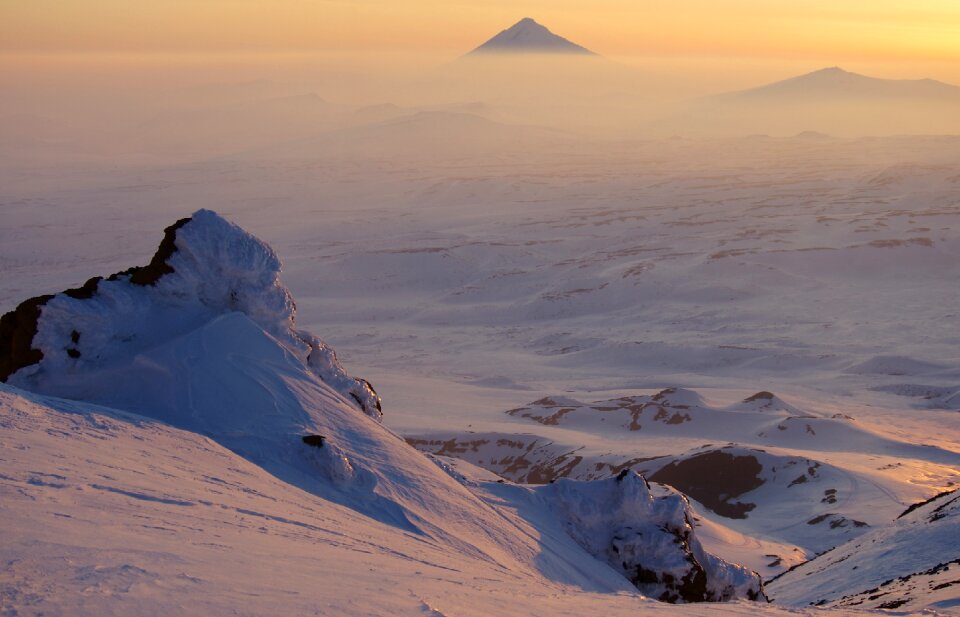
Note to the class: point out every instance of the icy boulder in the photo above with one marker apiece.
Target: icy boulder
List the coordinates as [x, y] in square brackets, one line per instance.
[205, 267]
[646, 532]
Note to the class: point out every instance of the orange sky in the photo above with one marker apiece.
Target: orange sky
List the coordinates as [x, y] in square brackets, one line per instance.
[835, 31]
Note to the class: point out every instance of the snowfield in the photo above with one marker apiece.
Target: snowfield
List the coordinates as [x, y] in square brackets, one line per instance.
[766, 324]
[272, 447]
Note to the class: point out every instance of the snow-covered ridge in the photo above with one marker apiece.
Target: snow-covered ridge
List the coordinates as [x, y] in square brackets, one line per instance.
[908, 564]
[205, 267]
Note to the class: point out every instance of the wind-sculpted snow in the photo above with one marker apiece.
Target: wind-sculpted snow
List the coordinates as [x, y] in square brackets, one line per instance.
[649, 538]
[205, 267]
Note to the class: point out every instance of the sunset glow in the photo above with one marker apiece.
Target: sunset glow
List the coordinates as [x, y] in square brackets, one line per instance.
[880, 30]
[479, 307]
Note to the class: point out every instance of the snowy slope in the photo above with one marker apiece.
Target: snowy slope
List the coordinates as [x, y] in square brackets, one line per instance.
[906, 565]
[222, 400]
[108, 513]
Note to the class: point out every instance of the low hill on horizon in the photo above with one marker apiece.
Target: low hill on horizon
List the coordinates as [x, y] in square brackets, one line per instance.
[835, 82]
[831, 101]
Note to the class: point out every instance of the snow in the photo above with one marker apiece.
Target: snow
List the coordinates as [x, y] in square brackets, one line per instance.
[795, 481]
[231, 389]
[905, 565]
[467, 263]
[108, 513]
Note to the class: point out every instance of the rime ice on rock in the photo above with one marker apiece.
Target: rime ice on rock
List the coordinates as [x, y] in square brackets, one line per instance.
[646, 532]
[205, 267]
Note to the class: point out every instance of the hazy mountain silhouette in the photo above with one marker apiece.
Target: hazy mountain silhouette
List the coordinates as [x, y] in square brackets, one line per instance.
[828, 101]
[831, 101]
[837, 83]
[527, 36]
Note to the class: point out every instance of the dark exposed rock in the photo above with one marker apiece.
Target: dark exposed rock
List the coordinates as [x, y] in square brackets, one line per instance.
[85, 291]
[314, 440]
[836, 521]
[158, 266]
[364, 382]
[714, 478]
[17, 329]
[920, 504]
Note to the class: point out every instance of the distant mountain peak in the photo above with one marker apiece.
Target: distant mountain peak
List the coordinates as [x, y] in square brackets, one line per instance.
[529, 36]
[837, 82]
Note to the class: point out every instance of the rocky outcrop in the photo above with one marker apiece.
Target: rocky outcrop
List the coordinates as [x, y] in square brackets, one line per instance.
[204, 267]
[19, 327]
[646, 532]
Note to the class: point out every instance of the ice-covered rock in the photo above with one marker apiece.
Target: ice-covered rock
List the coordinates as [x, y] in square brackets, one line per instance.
[205, 267]
[646, 532]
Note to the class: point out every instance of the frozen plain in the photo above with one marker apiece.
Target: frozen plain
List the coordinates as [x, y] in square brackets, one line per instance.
[822, 269]
[810, 266]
